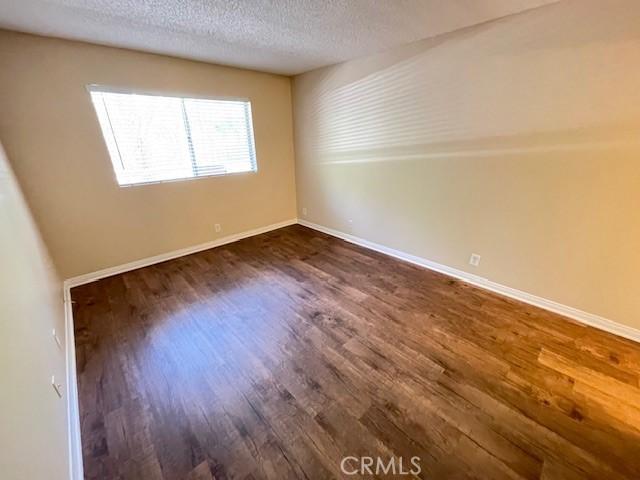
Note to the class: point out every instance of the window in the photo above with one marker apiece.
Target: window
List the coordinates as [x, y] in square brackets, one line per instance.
[154, 138]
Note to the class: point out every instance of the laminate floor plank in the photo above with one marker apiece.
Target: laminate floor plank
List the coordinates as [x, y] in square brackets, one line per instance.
[276, 356]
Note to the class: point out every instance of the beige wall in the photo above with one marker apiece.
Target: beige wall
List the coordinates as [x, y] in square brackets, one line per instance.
[52, 137]
[518, 140]
[33, 428]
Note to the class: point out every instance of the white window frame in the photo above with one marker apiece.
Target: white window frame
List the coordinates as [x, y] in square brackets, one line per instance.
[94, 87]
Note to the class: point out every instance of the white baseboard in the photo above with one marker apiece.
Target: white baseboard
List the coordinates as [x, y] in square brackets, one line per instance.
[76, 470]
[583, 317]
[163, 257]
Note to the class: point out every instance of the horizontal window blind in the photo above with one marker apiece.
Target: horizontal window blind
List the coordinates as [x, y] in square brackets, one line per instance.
[153, 138]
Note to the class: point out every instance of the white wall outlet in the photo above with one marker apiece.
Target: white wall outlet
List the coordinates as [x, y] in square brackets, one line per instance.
[56, 386]
[56, 338]
[304, 211]
[474, 259]
[217, 228]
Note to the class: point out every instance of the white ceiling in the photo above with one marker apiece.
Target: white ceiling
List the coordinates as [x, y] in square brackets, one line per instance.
[280, 36]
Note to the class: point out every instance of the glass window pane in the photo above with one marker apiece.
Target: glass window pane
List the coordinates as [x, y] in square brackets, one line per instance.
[152, 138]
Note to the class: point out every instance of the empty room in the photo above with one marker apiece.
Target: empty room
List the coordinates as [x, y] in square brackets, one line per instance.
[319, 239]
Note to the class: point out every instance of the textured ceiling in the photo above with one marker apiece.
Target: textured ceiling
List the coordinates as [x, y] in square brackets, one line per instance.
[280, 36]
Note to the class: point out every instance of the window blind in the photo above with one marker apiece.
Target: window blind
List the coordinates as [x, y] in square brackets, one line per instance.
[154, 138]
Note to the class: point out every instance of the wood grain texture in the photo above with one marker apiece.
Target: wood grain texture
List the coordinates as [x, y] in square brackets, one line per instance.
[276, 356]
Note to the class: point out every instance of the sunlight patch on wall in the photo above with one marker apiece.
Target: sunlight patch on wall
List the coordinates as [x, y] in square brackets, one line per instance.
[479, 94]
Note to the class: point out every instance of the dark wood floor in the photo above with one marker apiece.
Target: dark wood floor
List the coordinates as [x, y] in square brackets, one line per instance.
[277, 356]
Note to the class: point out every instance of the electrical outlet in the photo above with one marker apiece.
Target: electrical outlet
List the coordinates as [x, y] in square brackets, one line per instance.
[56, 386]
[474, 260]
[217, 228]
[304, 211]
[56, 339]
